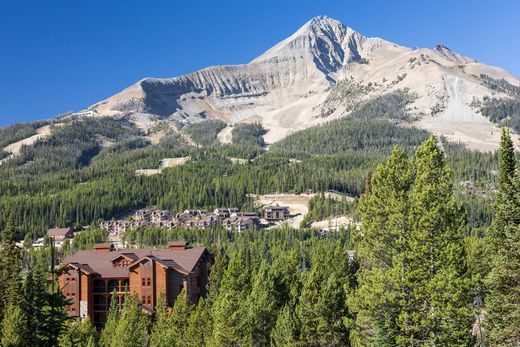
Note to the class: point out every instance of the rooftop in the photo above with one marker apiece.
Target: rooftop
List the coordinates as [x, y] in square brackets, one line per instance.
[182, 260]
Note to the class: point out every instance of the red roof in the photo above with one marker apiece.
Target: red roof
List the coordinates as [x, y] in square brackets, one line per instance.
[183, 260]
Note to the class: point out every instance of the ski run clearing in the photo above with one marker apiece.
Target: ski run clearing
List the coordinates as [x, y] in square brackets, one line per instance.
[298, 205]
[165, 163]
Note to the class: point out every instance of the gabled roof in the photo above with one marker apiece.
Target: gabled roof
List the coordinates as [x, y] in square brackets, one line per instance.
[58, 232]
[85, 268]
[166, 263]
[130, 256]
[181, 260]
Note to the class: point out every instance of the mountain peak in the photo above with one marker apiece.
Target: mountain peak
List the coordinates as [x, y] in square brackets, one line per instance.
[323, 40]
[455, 57]
[323, 22]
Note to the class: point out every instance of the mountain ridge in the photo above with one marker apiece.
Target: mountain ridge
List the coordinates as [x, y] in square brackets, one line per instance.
[323, 71]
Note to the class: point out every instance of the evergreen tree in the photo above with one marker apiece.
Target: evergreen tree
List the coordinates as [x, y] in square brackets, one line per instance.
[229, 310]
[285, 332]
[132, 329]
[161, 328]
[179, 319]
[109, 331]
[321, 311]
[414, 288]
[80, 334]
[198, 330]
[14, 327]
[10, 267]
[502, 322]
[43, 306]
[263, 307]
[384, 210]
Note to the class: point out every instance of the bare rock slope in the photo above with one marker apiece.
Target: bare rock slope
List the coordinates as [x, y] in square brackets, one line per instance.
[322, 72]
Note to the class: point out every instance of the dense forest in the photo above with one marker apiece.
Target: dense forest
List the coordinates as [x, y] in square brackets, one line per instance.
[90, 182]
[503, 111]
[412, 275]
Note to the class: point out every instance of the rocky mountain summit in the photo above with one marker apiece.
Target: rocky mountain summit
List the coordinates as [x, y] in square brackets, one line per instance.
[324, 71]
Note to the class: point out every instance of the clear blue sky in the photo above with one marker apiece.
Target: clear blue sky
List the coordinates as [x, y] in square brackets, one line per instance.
[64, 55]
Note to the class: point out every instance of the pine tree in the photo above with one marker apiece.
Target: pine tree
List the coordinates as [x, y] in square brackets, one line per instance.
[263, 307]
[435, 288]
[80, 334]
[198, 331]
[502, 324]
[286, 330]
[229, 327]
[414, 287]
[161, 327]
[111, 324]
[179, 319]
[321, 311]
[10, 267]
[44, 309]
[132, 329]
[384, 210]
[14, 327]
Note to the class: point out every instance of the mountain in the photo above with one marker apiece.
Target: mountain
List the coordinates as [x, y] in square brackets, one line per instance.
[321, 72]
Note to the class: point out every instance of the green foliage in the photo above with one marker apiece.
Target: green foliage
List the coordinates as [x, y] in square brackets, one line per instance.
[14, 327]
[87, 238]
[109, 330]
[69, 146]
[19, 131]
[503, 321]
[10, 268]
[78, 334]
[205, 133]
[132, 327]
[348, 136]
[505, 112]
[321, 207]
[248, 134]
[414, 287]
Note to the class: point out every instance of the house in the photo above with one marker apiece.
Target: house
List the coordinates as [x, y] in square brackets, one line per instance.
[60, 234]
[90, 279]
[276, 213]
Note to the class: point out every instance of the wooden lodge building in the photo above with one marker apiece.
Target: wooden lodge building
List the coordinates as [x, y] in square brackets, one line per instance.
[88, 278]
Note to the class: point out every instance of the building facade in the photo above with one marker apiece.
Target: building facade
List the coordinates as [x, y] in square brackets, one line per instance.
[91, 279]
[276, 213]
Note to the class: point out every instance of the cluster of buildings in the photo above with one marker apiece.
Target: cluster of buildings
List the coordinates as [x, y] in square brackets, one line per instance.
[91, 279]
[231, 219]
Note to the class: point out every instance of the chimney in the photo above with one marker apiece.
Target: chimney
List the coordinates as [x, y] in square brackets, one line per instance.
[104, 247]
[177, 245]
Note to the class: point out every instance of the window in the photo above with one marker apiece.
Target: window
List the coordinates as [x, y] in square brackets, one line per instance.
[149, 300]
[143, 281]
[143, 299]
[148, 281]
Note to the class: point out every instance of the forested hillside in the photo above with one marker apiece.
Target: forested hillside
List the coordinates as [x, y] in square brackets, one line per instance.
[413, 273]
[270, 287]
[86, 170]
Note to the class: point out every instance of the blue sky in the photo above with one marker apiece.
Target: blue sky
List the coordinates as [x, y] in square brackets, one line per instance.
[63, 55]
